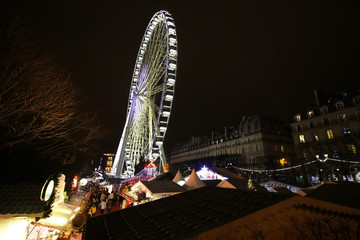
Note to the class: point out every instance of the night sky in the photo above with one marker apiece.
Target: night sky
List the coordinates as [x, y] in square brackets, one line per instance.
[235, 58]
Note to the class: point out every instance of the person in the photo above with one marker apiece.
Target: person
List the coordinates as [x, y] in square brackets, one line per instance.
[124, 202]
[103, 196]
[102, 207]
[110, 201]
[93, 210]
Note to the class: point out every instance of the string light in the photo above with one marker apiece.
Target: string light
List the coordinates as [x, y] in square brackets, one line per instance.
[296, 166]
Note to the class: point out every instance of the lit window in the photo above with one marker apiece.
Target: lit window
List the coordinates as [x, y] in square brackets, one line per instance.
[316, 138]
[312, 124]
[302, 138]
[342, 117]
[282, 148]
[299, 127]
[298, 117]
[283, 161]
[346, 131]
[326, 121]
[324, 110]
[352, 148]
[311, 114]
[339, 105]
[330, 134]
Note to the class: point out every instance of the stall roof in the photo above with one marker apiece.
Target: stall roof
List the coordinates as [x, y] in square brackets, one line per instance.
[21, 199]
[226, 173]
[343, 193]
[163, 187]
[165, 176]
[180, 216]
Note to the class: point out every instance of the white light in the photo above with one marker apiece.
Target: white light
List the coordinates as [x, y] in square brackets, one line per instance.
[83, 182]
[15, 230]
[166, 114]
[172, 41]
[172, 31]
[181, 182]
[169, 97]
[57, 220]
[173, 52]
[172, 66]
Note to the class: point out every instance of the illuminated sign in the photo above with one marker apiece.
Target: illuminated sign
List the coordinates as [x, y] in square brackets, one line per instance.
[47, 190]
[83, 182]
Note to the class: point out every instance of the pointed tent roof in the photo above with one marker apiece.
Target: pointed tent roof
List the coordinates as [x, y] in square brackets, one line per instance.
[178, 177]
[194, 181]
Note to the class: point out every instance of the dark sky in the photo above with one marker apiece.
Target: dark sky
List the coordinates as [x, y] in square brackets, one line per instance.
[235, 57]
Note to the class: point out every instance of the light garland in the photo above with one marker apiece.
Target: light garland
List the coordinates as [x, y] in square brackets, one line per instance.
[296, 166]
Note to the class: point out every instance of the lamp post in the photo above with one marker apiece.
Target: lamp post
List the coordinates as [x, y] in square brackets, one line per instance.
[322, 171]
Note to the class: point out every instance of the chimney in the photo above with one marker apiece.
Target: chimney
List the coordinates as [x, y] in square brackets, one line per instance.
[225, 132]
[212, 135]
[316, 98]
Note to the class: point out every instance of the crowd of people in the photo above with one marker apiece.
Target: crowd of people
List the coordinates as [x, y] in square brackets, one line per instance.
[99, 198]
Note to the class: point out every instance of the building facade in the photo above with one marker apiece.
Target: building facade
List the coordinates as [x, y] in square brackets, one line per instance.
[329, 129]
[259, 142]
[331, 126]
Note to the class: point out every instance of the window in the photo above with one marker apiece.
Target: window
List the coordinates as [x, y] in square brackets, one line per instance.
[302, 138]
[339, 105]
[312, 124]
[326, 121]
[276, 147]
[282, 148]
[299, 127]
[298, 117]
[352, 148]
[310, 114]
[316, 138]
[330, 134]
[346, 130]
[324, 110]
[283, 162]
[342, 117]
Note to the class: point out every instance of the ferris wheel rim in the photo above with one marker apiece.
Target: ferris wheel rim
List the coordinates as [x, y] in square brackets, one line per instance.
[160, 26]
[167, 18]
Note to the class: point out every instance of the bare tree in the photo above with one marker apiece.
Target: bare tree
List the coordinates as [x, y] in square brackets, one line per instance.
[40, 107]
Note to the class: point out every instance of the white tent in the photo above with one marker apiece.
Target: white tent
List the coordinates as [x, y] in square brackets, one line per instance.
[194, 181]
[179, 179]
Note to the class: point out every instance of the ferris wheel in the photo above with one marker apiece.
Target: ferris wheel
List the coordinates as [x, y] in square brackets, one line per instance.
[151, 97]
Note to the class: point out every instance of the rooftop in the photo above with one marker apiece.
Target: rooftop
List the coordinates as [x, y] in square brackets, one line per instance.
[342, 193]
[180, 216]
[163, 186]
[21, 199]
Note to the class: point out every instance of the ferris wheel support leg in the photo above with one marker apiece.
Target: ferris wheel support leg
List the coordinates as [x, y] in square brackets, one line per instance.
[162, 156]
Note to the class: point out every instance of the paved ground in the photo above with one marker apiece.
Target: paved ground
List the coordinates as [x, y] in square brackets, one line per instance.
[115, 208]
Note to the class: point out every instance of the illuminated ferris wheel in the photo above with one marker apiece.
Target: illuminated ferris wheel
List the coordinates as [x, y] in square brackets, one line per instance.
[151, 96]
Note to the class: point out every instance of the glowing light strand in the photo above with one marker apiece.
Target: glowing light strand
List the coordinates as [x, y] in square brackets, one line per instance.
[296, 166]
